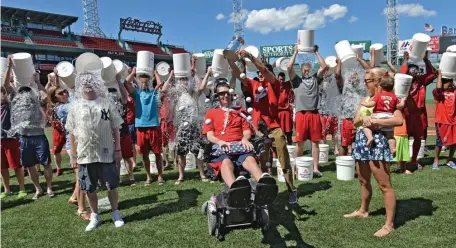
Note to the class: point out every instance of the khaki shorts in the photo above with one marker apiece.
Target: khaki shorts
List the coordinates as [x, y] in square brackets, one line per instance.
[280, 147]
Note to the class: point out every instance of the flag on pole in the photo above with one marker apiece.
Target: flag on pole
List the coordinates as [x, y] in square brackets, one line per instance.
[428, 28]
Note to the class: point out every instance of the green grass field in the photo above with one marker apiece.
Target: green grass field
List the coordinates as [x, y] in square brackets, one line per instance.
[170, 216]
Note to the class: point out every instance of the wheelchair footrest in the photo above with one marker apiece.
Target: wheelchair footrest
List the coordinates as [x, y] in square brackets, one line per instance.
[266, 191]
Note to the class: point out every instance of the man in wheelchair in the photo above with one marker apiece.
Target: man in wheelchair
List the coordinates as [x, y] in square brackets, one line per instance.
[229, 131]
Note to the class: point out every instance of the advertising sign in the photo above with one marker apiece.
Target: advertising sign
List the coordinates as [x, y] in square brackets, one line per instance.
[446, 41]
[434, 43]
[277, 51]
[139, 26]
[448, 30]
[208, 54]
[365, 43]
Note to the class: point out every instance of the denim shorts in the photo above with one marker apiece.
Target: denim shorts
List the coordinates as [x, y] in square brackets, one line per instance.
[90, 174]
[438, 139]
[34, 150]
[132, 131]
[237, 160]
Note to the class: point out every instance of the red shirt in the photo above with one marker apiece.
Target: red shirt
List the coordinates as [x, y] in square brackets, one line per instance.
[265, 108]
[130, 111]
[286, 96]
[419, 83]
[444, 106]
[234, 129]
[385, 102]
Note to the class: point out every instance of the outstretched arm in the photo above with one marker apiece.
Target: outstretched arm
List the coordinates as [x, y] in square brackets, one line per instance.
[7, 75]
[368, 104]
[260, 66]
[363, 63]
[372, 54]
[122, 90]
[168, 81]
[206, 79]
[237, 73]
[129, 80]
[290, 69]
[323, 66]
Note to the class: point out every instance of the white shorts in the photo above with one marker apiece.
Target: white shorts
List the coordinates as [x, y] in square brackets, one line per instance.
[384, 115]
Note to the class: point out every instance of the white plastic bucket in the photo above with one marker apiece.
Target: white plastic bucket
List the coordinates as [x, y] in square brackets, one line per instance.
[182, 66]
[282, 64]
[280, 171]
[23, 65]
[3, 64]
[304, 167]
[190, 162]
[402, 83]
[67, 73]
[420, 152]
[345, 167]
[292, 151]
[448, 65]
[219, 64]
[280, 175]
[345, 52]
[419, 45]
[121, 68]
[378, 53]
[331, 62]
[153, 164]
[255, 53]
[200, 64]
[323, 156]
[123, 168]
[89, 62]
[163, 70]
[358, 49]
[451, 49]
[231, 49]
[109, 70]
[306, 39]
[145, 63]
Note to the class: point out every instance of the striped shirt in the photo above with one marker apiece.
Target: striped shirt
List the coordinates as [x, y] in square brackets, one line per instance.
[92, 123]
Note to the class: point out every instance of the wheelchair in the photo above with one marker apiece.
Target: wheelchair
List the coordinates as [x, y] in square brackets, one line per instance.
[244, 204]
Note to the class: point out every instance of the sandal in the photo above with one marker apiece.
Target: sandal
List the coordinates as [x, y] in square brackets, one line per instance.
[179, 181]
[36, 195]
[204, 179]
[385, 230]
[160, 181]
[51, 194]
[83, 214]
[72, 200]
[147, 183]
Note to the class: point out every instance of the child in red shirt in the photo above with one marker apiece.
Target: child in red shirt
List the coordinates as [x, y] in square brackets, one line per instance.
[384, 104]
[445, 118]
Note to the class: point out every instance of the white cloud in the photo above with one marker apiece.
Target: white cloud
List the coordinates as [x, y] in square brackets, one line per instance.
[268, 20]
[315, 20]
[353, 19]
[335, 11]
[412, 10]
[274, 20]
[220, 16]
[241, 16]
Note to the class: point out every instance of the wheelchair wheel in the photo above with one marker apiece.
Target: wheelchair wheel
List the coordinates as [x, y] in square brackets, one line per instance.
[211, 223]
[263, 220]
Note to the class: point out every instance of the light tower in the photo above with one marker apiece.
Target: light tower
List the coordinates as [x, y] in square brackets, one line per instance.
[91, 19]
[392, 31]
[237, 19]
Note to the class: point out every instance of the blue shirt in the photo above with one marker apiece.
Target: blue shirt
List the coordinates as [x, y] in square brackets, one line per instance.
[146, 108]
[62, 113]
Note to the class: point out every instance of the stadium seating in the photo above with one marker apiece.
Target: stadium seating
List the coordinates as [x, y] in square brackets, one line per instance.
[42, 32]
[52, 42]
[146, 47]
[100, 43]
[12, 38]
[177, 49]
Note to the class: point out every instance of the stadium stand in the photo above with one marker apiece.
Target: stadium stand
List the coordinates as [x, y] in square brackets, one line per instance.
[177, 49]
[100, 43]
[12, 38]
[45, 33]
[52, 42]
[136, 46]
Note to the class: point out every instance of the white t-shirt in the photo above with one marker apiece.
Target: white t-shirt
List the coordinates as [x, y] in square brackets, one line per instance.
[92, 123]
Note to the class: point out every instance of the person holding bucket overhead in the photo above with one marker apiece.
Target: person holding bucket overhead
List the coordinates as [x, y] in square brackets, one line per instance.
[377, 159]
[265, 95]
[415, 106]
[285, 105]
[147, 121]
[308, 122]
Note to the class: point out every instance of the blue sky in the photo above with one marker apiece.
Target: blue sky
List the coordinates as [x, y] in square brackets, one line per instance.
[194, 23]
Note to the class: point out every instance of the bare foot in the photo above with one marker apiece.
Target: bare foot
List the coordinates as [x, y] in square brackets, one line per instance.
[408, 172]
[357, 214]
[369, 142]
[385, 230]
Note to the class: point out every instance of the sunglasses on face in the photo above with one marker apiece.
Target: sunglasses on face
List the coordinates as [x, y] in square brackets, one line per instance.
[63, 92]
[225, 93]
[368, 80]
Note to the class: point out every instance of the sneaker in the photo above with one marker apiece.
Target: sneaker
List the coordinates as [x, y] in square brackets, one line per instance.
[418, 166]
[240, 178]
[95, 221]
[5, 194]
[59, 172]
[36, 195]
[21, 194]
[293, 197]
[452, 165]
[118, 221]
[435, 166]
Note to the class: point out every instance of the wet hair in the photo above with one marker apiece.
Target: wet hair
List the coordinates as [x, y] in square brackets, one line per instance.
[447, 80]
[377, 72]
[143, 75]
[112, 90]
[412, 66]
[221, 82]
[24, 89]
[256, 79]
[281, 74]
[387, 82]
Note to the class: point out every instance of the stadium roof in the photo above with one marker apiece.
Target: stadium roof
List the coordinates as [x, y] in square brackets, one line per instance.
[38, 17]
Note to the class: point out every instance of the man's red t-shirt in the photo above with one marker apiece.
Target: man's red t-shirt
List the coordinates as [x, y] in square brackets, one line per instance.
[130, 111]
[265, 108]
[286, 96]
[419, 83]
[444, 106]
[385, 102]
[234, 129]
